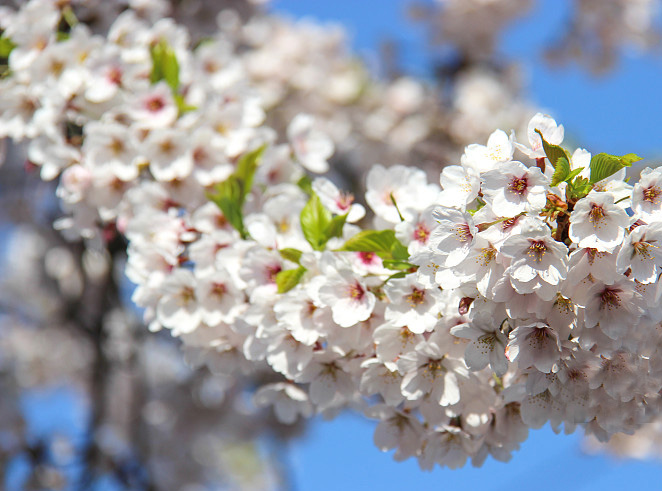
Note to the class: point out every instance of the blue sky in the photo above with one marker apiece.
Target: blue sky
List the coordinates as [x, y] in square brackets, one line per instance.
[617, 113]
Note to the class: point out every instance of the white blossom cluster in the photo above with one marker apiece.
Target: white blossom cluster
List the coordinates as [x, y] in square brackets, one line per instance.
[518, 292]
[466, 316]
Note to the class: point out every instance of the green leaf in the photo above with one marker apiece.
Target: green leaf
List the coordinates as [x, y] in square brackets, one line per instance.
[604, 165]
[579, 188]
[231, 194]
[553, 152]
[335, 227]
[573, 174]
[182, 106]
[371, 241]
[398, 251]
[246, 168]
[227, 198]
[382, 242]
[69, 16]
[479, 204]
[306, 184]
[164, 65]
[315, 221]
[288, 279]
[291, 254]
[6, 47]
[561, 171]
[392, 264]
[394, 276]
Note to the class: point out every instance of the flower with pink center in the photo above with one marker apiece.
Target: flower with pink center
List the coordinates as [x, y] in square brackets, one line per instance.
[484, 265]
[108, 74]
[429, 371]
[538, 263]
[487, 346]
[535, 344]
[259, 269]
[421, 233]
[218, 297]
[647, 194]
[597, 222]
[154, 108]
[453, 237]
[368, 258]
[377, 378]
[302, 314]
[415, 234]
[113, 146]
[337, 201]
[600, 265]
[512, 188]
[641, 253]
[412, 305]
[615, 308]
[178, 309]
[393, 341]
[367, 263]
[348, 296]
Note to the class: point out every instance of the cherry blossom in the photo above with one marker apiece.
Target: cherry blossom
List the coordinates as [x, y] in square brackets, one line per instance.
[458, 315]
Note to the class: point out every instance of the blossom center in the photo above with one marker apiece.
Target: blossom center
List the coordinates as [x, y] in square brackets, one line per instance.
[367, 257]
[563, 304]
[114, 76]
[596, 215]
[488, 254]
[310, 308]
[609, 298]
[154, 104]
[518, 185]
[344, 201]
[642, 249]
[593, 254]
[506, 225]
[186, 295]
[463, 233]
[537, 250]
[200, 155]
[405, 335]
[416, 297]
[167, 147]
[356, 292]
[652, 194]
[272, 271]
[219, 290]
[421, 233]
[487, 341]
[116, 146]
[539, 338]
[432, 368]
